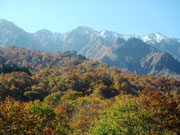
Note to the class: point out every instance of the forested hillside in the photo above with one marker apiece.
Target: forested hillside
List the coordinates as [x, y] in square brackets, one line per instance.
[65, 93]
[36, 60]
[153, 54]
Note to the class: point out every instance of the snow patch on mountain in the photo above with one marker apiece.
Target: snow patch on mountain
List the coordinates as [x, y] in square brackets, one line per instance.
[153, 38]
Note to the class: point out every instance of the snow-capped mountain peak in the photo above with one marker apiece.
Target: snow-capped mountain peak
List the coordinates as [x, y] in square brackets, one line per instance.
[160, 37]
[153, 38]
[103, 33]
[106, 34]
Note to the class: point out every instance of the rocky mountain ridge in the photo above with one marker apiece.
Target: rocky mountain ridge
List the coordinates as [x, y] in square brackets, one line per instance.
[148, 54]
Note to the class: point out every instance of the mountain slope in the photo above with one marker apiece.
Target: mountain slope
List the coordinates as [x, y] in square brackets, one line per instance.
[164, 43]
[36, 60]
[139, 57]
[128, 55]
[160, 61]
[129, 52]
[49, 41]
[11, 34]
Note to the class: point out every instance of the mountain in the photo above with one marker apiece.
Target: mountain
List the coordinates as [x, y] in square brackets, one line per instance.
[159, 62]
[133, 53]
[164, 43]
[49, 41]
[10, 34]
[78, 38]
[139, 57]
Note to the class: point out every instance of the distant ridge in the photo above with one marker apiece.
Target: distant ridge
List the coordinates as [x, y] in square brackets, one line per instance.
[130, 52]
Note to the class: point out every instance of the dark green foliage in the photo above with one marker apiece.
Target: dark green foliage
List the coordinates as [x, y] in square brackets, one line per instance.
[13, 68]
[33, 95]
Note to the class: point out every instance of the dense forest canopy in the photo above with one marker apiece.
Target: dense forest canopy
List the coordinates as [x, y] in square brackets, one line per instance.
[65, 93]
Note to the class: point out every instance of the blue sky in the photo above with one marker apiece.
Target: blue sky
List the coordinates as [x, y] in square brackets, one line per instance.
[139, 17]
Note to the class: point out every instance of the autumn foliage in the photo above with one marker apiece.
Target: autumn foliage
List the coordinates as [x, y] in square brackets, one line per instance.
[68, 94]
